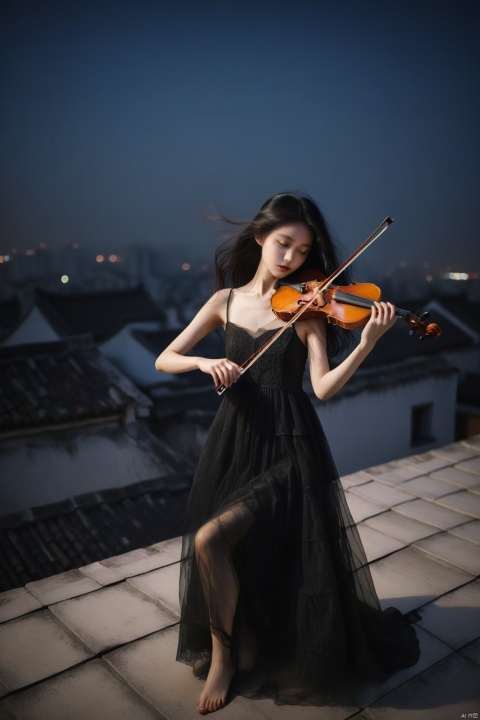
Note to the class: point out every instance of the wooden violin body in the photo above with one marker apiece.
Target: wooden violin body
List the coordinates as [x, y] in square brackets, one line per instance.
[348, 306]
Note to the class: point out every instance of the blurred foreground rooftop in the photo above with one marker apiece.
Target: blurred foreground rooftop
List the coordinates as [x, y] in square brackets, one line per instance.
[100, 642]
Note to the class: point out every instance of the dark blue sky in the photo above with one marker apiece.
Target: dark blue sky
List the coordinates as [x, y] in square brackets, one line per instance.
[127, 121]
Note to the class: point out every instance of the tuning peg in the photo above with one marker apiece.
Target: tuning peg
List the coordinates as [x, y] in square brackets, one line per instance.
[425, 315]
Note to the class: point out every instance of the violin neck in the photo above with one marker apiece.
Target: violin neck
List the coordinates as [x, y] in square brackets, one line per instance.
[358, 301]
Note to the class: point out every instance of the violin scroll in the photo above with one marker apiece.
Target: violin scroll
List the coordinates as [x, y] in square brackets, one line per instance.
[416, 323]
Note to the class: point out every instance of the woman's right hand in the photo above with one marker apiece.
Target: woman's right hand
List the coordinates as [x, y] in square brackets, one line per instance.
[223, 371]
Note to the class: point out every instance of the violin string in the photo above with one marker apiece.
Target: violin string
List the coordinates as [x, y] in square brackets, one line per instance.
[359, 301]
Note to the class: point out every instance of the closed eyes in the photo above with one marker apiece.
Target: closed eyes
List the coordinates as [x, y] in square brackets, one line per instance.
[287, 245]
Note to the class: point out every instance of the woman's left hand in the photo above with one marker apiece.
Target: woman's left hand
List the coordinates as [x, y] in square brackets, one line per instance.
[382, 318]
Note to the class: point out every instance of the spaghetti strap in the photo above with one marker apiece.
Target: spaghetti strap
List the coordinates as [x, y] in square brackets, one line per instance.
[228, 301]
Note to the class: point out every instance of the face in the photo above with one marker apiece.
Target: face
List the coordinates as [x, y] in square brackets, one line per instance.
[285, 249]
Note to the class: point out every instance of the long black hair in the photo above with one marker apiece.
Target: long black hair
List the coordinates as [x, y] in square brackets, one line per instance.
[237, 259]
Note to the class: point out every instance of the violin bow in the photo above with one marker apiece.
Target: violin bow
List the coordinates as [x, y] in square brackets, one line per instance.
[323, 285]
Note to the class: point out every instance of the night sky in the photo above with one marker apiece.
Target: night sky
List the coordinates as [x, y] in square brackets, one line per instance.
[130, 121]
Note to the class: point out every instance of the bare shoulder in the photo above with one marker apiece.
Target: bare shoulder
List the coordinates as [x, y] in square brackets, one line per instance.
[220, 297]
[217, 304]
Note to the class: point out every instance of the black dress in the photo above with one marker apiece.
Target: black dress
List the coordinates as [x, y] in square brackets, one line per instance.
[305, 590]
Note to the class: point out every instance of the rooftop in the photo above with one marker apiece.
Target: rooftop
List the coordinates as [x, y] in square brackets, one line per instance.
[99, 642]
[102, 313]
[61, 536]
[456, 318]
[43, 384]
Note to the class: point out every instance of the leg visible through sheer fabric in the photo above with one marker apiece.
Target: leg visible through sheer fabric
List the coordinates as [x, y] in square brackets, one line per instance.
[215, 544]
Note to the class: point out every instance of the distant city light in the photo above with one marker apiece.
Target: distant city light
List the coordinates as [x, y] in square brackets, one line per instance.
[42, 246]
[460, 276]
[76, 246]
[4, 258]
[64, 279]
[185, 266]
[113, 258]
[429, 278]
[99, 258]
[29, 252]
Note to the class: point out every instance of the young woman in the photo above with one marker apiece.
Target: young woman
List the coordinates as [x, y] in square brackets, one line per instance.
[275, 587]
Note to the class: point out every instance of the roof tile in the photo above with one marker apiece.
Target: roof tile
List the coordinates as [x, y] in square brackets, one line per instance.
[77, 383]
[102, 314]
[88, 528]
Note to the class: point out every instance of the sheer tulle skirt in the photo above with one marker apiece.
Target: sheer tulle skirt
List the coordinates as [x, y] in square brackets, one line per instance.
[278, 567]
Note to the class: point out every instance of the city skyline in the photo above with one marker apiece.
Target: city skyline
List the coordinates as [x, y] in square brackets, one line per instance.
[133, 123]
[76, 268]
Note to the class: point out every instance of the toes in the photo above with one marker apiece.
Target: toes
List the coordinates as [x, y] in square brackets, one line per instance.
[202, 706]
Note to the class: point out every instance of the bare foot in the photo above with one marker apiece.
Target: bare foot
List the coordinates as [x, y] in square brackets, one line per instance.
[214, 694]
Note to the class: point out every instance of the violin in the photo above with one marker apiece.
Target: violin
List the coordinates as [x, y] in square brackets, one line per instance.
[322, 294]
[348, 306]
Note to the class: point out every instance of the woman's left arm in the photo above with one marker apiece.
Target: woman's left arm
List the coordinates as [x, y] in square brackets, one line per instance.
[326, 382]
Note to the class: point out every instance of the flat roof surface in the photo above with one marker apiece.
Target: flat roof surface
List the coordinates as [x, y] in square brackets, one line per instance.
[100, 642]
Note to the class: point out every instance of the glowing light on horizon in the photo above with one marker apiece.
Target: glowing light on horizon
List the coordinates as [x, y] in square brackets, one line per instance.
[460, 276]
[64, 279]
[113, 258]
[186, 266]
[99, 258]
[30, 252]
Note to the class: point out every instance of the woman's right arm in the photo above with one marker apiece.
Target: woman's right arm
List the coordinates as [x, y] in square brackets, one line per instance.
[174, 359]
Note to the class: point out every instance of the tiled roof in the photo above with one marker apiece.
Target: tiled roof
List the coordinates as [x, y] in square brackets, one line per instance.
[398, 345]
[466, 311]
[101, 313]
[374, 378]
[60, 382]
[10, 316]
[100, 642]
[88, 528]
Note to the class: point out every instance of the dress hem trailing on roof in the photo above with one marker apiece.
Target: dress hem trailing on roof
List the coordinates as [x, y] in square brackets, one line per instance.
[306, 602]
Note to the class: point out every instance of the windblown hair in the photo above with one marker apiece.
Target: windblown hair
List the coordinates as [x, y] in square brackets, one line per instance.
[237, 259]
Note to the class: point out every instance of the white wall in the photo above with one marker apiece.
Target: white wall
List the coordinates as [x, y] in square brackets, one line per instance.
[374, 426]
[132, 358]
[34, 329]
